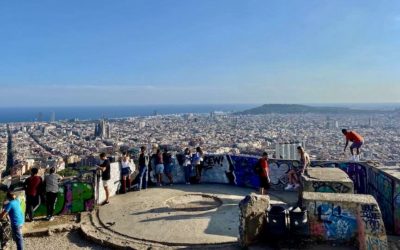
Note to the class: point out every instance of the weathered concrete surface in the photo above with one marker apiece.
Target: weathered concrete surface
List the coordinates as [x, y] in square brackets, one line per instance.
[146, 215]
[327, 180]
[346, 218]
[252, 218]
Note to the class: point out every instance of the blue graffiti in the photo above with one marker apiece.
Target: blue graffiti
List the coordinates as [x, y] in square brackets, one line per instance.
[339, 224]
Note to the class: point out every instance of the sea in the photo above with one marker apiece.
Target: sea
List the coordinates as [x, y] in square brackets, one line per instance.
[31, 114]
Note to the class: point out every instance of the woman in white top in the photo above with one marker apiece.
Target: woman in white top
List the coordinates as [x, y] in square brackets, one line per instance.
[125, 172]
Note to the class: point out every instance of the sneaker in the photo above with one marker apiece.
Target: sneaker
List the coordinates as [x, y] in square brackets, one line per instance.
[289, 187]
[51, 218]
[187, 183]
[296, 186]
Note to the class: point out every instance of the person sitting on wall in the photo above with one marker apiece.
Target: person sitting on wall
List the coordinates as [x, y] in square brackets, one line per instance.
[294, 175]
[357, 141]
[264, 174]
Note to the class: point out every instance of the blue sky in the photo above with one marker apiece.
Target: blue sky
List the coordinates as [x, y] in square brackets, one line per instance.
[127, 52]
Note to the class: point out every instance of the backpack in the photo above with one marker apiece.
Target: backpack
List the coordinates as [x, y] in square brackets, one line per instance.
[257, 168]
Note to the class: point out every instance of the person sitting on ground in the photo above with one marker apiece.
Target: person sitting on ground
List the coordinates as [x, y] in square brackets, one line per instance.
[264, 174]
[168, 166]
[32, 186]
[357, 141]
[294, 175]
[51, 180]
[105, 168]
[12, 207]
[159, 162]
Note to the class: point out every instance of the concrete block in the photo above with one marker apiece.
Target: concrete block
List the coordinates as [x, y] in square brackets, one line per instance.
[327, 180]
[346, 218]
[252, 218]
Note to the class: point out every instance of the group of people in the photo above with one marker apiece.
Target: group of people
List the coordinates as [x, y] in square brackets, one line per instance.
[162, 163]
[159, 163]
[35, 188]
[294, 174]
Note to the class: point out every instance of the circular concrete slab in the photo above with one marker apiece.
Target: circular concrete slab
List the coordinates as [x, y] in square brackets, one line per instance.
[177, 215]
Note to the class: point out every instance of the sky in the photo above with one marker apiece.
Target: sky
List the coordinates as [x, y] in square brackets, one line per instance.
[139, 52]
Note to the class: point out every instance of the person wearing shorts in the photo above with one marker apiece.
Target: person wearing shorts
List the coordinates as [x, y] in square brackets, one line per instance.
[264, 174]
[159, 167]
[357, 141]
[295, 174]
[105, 168]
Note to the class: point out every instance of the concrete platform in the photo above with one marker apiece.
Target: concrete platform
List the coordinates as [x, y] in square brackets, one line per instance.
[181, 215]
[327, 180]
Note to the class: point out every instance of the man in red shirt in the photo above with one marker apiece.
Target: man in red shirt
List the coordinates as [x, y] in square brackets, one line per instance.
[32, 187]
[264, 174]
[357, 141]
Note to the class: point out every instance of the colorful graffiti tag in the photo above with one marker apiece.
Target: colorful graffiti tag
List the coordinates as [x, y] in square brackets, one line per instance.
[355, 171]
[371, 231]
[332, 222]
[336, 187]
[73, 197]
[245, 176]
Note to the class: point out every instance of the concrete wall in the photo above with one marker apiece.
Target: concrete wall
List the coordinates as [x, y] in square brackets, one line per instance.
[113, 185]
[346, 218]
[327, 180]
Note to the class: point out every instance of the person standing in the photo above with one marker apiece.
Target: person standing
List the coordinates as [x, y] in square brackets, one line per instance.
[187, 165]
[159, 162]
[197, 162]
[14, 210]
[357, 141]
[105, 167]
[293, 175]
[125, 172]
[32, 187]
[264, 174]
[143, 168]
[168, 166]
[51, 182]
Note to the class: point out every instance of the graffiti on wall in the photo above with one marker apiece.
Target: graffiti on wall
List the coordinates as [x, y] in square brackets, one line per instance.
[371, 231]
[73, 197]
[355, 171]
[331, 187]
[396, 201]
[332, 222]
[381, 187]
[278, 169]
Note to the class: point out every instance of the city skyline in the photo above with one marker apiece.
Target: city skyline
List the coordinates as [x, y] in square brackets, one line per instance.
[153, 52]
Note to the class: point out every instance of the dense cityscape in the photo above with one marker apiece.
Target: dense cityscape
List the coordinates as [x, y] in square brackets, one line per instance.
[77, 143]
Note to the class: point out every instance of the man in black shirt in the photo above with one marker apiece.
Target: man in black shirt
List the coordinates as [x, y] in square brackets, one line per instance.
[105, 175]
[143, 168]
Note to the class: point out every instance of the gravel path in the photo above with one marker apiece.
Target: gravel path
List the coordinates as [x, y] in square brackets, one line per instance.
[71, 241]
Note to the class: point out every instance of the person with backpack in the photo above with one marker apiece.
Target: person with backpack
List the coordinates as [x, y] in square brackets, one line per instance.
[262, 169]
[168, 166]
